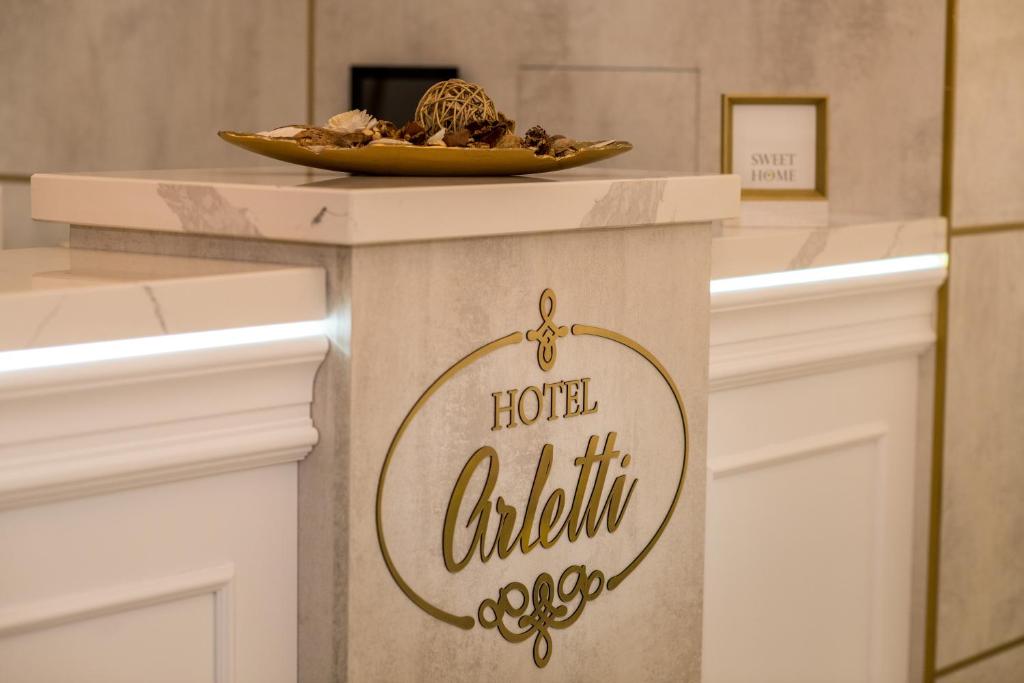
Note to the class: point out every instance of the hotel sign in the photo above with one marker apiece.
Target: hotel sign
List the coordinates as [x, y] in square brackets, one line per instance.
[512, 496]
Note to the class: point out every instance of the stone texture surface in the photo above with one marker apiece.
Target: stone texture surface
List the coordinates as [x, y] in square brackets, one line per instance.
[880, 63]
[295, 204]
[562, 100]
[738, 250]
[981, 584]
[989, 127]
[144, 83]
[1002, 668]
[418, 308]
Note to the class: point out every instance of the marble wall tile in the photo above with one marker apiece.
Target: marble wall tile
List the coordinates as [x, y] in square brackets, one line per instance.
[981, 584]
[988, 156]
[145, 83]
[1004, 667]
[405, 299]
[880, 63]
[644, 101]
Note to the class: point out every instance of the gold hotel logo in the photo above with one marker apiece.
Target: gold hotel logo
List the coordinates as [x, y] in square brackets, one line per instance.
[517, 612]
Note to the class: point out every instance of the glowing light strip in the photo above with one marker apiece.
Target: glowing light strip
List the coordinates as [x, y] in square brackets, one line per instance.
[903, 264]
[71, 354]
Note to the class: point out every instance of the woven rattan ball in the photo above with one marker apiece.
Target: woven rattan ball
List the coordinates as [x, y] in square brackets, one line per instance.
[452, 104]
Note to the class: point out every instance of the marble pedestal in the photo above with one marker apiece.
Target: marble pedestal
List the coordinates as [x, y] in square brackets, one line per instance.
[510, 476]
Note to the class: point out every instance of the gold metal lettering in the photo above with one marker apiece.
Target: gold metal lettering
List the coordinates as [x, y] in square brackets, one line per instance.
[499, 409]
[614, 506]
[584, 516]
[586, 389]
[572, 398]
[540, 478]
[550, 389]
[503, 542]
[548, 516]
[481, 511]
[538, 397]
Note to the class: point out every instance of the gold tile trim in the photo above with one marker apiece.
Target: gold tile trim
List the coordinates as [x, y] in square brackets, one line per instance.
[981, 656]
[310, 60]
[931, 629]
[968, 230]
[15, 177]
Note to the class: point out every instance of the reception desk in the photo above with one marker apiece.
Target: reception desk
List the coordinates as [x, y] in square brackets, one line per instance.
[515, 472]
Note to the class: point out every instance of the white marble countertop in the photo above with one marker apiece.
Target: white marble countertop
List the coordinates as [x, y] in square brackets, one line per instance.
[304, 205]
[738, 250]
[56, 296]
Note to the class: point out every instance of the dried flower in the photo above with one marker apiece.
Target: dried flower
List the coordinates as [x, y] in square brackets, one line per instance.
[283, 132]
[437, 139]
[352, 121]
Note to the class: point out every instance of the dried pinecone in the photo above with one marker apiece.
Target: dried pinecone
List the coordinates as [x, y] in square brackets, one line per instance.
[534, 137]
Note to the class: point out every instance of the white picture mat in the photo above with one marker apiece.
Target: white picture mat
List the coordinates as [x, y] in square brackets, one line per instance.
[775, 129]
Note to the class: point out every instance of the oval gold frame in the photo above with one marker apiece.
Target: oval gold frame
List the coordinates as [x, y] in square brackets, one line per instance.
[467, 622]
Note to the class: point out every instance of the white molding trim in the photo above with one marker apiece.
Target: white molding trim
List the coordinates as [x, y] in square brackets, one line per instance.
[774, 333]
[778, 358]
[931, 277]
[65, 609]
[99, 427]
[798, 449]
[142, 462]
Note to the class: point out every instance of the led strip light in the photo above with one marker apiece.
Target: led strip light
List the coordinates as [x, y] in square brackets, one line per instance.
[71, 354]
[903, 264]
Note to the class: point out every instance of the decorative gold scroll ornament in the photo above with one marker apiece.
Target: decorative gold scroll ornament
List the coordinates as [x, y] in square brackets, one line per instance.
[548, 333]
[551, 604]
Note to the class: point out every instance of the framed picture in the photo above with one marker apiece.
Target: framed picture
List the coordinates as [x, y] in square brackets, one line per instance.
[777, 144]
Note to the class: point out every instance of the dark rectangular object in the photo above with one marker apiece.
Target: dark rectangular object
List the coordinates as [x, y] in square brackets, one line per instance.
[392, 92]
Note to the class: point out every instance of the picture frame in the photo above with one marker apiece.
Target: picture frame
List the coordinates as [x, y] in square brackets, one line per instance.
[778, 144]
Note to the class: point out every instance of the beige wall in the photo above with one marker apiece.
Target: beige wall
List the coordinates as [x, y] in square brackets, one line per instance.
[663, 65]
[981, 567]
[988, 151]
[125, 84]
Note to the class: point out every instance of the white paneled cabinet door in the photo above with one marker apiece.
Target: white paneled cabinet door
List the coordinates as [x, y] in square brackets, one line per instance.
[811, 457]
